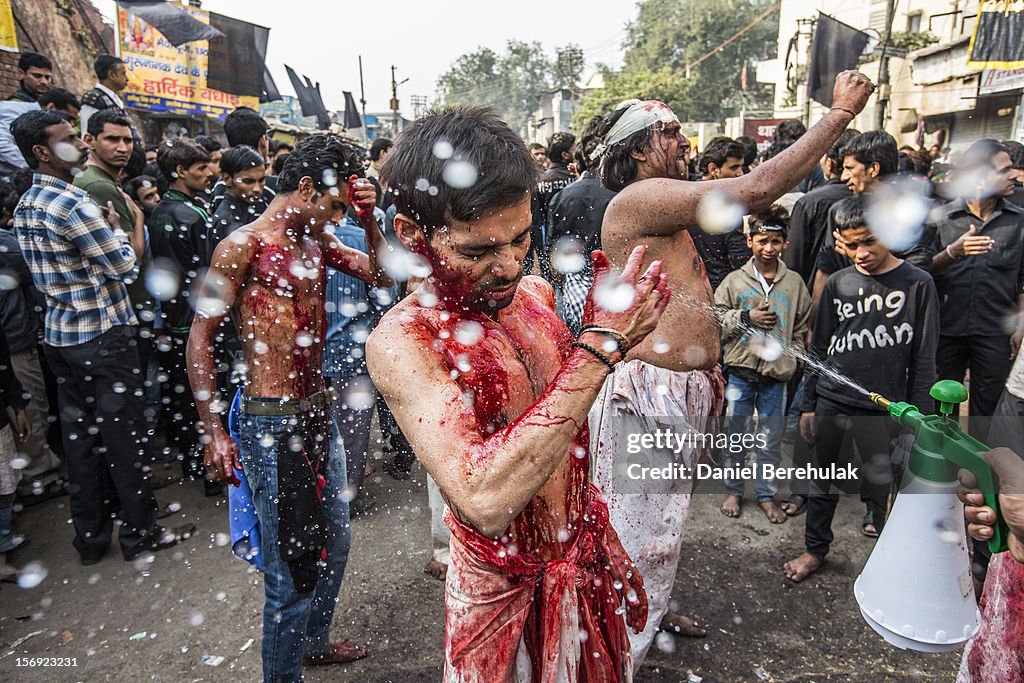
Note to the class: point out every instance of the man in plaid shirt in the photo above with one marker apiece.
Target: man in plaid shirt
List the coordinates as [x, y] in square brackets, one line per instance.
[80, 263]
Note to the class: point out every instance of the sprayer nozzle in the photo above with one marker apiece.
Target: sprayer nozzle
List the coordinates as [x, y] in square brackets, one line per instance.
[879, 400]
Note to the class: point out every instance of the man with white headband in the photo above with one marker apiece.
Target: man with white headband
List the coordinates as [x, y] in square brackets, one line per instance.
[674, 371]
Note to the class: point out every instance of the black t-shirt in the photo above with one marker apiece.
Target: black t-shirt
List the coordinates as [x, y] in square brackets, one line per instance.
[880, 331]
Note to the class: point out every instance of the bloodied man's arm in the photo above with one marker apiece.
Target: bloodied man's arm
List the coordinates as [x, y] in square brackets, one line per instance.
[662, 206]
[363, 196]
[487, 479]
[217, 296]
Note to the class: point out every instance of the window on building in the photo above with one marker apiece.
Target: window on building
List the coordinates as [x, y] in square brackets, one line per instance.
[914, 22]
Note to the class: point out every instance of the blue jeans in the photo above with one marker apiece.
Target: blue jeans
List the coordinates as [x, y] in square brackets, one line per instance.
[295, 624]
[770, 402]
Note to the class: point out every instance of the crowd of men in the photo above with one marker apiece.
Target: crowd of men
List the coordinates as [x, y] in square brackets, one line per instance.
[243, 309]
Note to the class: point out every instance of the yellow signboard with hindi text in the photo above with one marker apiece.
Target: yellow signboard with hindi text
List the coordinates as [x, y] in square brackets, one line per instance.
[165, 78]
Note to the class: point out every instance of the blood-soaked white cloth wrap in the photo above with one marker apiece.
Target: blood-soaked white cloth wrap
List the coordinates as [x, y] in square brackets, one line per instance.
[650, 525]
[639, 115]
[996, 653]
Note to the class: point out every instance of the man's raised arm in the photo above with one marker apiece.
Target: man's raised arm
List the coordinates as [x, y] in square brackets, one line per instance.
[488, 479]
[363, 196]
[663, 206]
[219, 291]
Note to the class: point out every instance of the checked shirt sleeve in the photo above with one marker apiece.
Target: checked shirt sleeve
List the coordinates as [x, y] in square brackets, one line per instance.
[111, 253]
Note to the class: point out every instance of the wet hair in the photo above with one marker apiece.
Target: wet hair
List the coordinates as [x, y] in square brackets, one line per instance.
[316, 155]
[848, 214]
[589, 140]
[618, 167]
[241, 158]
[749, 150]
[184, 153]
[1016, 150]
[415, 174]
[275, 146]
[775, 216]
[379, 145]
[244, 126]
[835, 152]
[103, 65]
[279, 162]
[101, 118]
[718, 150]
[29, 60]
[208, 143]
[558, 143]
[874, 147]
[132, 187]
[29, 130]
[59, 98]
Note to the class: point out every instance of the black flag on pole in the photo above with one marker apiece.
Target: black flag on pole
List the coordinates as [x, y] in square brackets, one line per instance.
[352, 118]
[176, 25]
[997, 41]
[238, 61]
[835, 48]
[309, 97]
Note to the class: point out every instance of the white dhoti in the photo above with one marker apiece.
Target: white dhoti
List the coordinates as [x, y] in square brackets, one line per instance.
[650, 525]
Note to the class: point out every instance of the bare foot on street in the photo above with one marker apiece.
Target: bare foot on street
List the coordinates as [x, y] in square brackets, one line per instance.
[679, 625]
[800, 568]
[731, 506]
[772, 511]
[436, 570]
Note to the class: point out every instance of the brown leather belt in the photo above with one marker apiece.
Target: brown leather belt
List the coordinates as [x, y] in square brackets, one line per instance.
[284, 406]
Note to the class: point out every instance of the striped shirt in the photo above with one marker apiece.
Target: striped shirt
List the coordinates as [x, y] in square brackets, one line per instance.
[77, 261]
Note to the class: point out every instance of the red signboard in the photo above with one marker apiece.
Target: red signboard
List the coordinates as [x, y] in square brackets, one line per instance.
[762, 130]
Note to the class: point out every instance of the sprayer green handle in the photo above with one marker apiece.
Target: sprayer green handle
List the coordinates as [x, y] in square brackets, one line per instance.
[988, 484]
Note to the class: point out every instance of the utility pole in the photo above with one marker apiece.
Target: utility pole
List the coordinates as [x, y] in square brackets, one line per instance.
[362, 100]
[883, 69]
[394, 102]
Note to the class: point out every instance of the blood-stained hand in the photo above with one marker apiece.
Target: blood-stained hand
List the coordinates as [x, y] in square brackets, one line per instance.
[222, 458]
[624, 571]
[650, 296]
[852, 91]
[362, 195]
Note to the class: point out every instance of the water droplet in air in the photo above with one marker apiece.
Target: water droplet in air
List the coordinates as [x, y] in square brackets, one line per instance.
[443, 149]
[32, 574]
[402, 264]
[162, 279]
[718, 215]
[468, 332]
[766, 347]
[665, 643]
[614, 295]
[896, 212]
[460, 174]
[303, 339]
[568, 255]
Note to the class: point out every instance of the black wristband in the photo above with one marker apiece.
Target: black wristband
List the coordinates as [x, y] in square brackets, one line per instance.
[594, 352]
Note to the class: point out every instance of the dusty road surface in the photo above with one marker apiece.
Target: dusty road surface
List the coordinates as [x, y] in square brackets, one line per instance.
[193, 613]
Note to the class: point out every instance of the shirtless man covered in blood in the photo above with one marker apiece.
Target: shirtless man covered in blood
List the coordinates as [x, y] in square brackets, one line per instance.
[269, 275]
[673, 372]
[492, 392]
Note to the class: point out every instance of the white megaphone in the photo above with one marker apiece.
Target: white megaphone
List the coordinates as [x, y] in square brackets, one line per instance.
[916, 588]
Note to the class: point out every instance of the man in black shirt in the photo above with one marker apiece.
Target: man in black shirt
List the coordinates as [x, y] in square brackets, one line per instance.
[1017, 157]
[808, 222]
[574, 228]
[979, 269]
[721, 253]
[878, 326]
[869, 160]
[561, 147]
